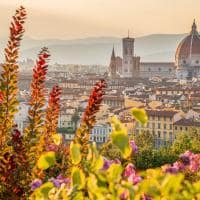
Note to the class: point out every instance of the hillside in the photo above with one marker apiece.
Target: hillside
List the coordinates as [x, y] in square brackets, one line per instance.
[156, 47]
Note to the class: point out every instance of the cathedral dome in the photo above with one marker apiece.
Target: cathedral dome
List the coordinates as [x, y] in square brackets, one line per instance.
[189, 46]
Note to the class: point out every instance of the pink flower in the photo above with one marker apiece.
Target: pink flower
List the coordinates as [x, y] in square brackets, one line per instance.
[129, 170]
[124, 195]
[133, 178]
[133, 146]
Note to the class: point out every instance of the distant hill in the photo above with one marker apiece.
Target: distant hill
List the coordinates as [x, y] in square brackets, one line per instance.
[97, 50]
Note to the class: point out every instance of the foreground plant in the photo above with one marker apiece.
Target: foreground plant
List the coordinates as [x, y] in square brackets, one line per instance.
[110, 179]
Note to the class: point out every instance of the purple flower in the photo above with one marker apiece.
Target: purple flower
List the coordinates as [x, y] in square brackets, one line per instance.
[35, 184]
[133, 146]
[59, 180]
[171, 169]
[106, 164]
[56, 182]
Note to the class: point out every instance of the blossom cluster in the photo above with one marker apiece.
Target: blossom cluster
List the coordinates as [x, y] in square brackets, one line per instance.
[58, 181]
[188, 161]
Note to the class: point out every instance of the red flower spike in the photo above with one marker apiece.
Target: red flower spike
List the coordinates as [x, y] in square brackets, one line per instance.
[89, 119]
[9, 76]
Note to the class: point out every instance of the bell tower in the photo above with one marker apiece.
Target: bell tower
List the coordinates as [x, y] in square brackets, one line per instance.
[128, 54]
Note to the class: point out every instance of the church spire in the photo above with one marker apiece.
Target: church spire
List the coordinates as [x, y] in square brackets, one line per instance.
[194, 28]
[113, 53]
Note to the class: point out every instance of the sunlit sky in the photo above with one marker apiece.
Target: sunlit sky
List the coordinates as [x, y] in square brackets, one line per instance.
[67, 19]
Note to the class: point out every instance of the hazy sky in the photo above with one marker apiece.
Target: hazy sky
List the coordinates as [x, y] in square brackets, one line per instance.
[66, 19]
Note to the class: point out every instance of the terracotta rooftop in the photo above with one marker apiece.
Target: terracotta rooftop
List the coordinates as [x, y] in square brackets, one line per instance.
[161, 113]
[187, 122]
[189, 45]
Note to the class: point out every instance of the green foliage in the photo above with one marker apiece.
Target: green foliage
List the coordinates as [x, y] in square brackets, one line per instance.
[46, 160]
[182, 143]
[78, 178]
[140, 115]
[42, 193]
[120, 138]
[75, 153]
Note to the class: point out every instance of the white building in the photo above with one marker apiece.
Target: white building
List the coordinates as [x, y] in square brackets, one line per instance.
[21, 116]
[100, 133]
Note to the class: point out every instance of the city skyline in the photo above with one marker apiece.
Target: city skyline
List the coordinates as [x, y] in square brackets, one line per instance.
[81, 19]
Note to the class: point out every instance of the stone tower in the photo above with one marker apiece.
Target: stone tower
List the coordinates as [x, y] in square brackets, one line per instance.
[113, 65]
[128, 54]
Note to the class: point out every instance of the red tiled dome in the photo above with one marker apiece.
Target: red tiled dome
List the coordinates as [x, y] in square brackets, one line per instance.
[190, 45]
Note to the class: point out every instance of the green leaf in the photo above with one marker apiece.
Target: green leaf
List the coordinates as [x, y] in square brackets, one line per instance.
[78, 178]
[140, 115]
[46, 160]
[98, 163]
[114, 173]
[57, 139]
[121, 140]
[43, 191]
[75, 153]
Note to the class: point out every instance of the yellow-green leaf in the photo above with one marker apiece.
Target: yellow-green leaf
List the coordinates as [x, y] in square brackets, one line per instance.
[140, 115]
[75, 153]
[78, 178]
[46, 160]
[43, 191]
[121, 140]
[57, 139]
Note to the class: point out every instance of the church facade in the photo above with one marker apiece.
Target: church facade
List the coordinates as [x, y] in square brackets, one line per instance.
[186, 65]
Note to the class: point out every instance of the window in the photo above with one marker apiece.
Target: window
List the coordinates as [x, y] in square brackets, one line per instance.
[158, 134]
[170, 136]
[159, 69]
[181, 128]
[159, 126]
[186, 128]
[158, 118]
[170, 127]
[164, 135]
[197, 62]
[165, 126]
[149, 69]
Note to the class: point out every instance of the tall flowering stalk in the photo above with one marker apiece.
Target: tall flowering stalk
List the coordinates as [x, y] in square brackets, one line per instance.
[36, 111]
[8, 81]
[89, 118]
[52, 112]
